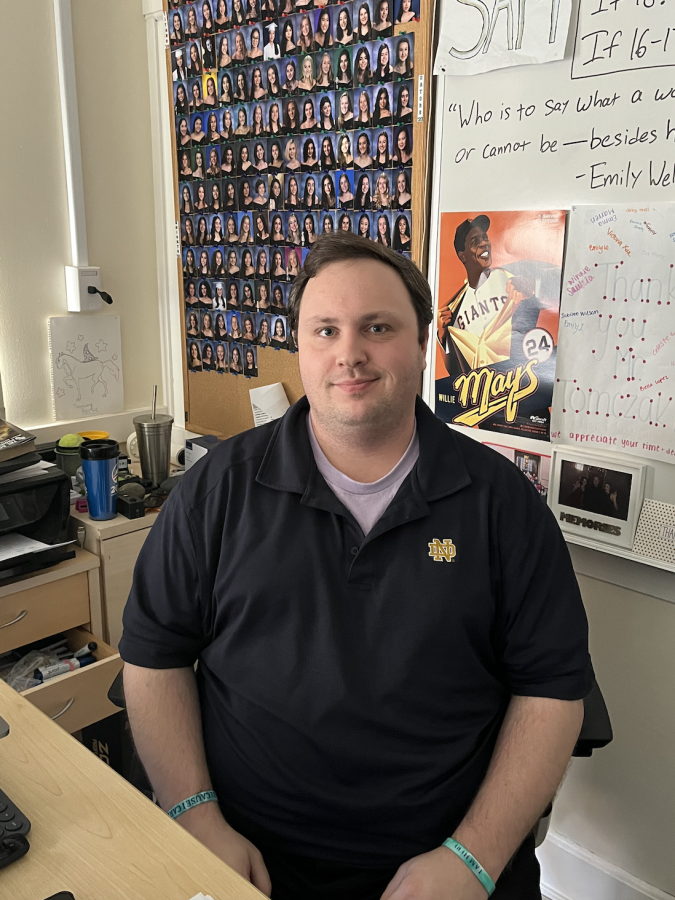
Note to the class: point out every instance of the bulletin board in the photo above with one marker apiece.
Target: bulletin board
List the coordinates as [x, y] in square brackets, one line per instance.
[291, 119]
[595, 128]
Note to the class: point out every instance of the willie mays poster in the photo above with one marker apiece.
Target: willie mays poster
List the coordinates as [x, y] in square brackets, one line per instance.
[497, 321]
[614, 384]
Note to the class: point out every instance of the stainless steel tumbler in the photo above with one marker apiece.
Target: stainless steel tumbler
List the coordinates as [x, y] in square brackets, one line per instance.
[154, 446]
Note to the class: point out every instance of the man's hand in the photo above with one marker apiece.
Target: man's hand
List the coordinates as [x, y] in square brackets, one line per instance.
[233, 848]
[444, 317]
[437, 875]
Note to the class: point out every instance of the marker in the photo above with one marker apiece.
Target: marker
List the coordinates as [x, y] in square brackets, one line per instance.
[86, 650]
[44, 673]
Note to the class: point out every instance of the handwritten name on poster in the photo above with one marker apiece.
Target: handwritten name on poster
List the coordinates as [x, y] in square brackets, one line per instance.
[615, 378]
[476, 36]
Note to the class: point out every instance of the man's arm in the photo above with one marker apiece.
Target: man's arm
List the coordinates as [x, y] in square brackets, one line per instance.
[163, 709]
[533, 750]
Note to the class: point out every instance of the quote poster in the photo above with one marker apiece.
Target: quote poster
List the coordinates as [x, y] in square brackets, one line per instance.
[616, 372]
[497, 319]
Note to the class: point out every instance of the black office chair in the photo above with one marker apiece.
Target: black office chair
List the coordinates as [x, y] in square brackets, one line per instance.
[596, 730]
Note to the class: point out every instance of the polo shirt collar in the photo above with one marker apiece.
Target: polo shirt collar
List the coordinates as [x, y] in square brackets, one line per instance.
[288, 463]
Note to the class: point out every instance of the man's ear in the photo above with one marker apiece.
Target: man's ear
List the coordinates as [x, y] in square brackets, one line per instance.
[461, 255]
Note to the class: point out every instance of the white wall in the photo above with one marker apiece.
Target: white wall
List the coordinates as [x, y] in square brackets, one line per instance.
[112, 85]
[620, 804]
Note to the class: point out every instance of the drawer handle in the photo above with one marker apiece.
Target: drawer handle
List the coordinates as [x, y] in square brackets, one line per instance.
[64, 710]
[22, 614]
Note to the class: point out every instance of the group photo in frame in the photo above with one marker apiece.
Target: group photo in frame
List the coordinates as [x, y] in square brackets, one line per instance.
[597, 496]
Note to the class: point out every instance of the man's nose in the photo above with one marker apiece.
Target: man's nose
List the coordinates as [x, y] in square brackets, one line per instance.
[352, 350]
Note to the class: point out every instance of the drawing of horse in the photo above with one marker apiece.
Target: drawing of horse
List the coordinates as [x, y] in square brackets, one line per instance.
[76, 371]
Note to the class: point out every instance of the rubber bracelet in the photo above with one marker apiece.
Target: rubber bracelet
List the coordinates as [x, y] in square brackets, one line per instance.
[194, 800]
[471, 861]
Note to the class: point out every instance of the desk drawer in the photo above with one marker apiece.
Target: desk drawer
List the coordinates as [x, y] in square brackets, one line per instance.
[30, 615]
[79, 698]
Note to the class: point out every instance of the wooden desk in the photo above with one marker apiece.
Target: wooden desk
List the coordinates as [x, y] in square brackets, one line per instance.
[92, 833]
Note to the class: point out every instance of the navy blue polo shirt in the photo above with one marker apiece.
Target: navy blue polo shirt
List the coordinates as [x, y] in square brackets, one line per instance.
[352, 688]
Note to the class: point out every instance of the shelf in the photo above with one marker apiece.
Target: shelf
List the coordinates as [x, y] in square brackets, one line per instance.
[619, 551]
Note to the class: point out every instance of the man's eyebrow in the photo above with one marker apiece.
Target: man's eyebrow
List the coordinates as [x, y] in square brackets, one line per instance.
[369, 317]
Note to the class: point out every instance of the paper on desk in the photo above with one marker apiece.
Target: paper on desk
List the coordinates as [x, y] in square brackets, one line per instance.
[27, 472]
[201, 896]
[269, 402]
[12, 545]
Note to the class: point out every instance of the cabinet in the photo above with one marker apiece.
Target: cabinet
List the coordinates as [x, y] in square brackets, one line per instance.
[64, 598]
[117, 543]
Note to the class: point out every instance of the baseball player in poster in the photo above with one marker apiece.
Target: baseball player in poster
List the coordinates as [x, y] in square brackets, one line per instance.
[495, 319]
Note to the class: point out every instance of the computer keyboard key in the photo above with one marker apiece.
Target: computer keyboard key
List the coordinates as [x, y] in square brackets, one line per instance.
[12, 826]
[12, 847]
[7, 815]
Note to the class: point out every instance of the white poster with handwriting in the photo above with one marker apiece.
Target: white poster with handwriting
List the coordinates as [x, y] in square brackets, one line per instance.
[476, 36]
[615, 377]
[595, 127]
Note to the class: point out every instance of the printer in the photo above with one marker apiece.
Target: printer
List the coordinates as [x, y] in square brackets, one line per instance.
[34, 504]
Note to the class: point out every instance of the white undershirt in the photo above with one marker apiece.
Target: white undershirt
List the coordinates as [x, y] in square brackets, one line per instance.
[365, 501]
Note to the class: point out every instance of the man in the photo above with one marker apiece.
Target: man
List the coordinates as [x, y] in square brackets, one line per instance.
[271, 47]
[391, 643]
[594, 498]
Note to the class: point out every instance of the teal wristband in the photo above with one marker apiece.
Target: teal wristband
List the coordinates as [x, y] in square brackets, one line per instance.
[194, 800]
[472, 863]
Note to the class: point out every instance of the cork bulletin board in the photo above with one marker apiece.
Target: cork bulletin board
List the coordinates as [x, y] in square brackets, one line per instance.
[291, 118]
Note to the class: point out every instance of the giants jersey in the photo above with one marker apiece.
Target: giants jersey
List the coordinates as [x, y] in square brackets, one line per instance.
[477, 308]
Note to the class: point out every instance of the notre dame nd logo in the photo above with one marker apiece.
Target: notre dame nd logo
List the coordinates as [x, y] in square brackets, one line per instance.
[442, 550]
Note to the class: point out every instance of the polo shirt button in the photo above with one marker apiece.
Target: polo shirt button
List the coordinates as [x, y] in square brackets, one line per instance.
[355, 550]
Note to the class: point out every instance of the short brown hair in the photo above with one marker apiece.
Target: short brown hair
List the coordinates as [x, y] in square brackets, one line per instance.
[343, 246]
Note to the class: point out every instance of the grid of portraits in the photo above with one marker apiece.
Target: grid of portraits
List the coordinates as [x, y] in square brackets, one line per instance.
[292, 119]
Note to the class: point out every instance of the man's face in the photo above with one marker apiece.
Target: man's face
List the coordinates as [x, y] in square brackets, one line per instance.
[477, 249]
[360, 354]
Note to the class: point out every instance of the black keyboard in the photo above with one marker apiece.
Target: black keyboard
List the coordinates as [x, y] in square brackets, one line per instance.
[14, 826]
[12, 820]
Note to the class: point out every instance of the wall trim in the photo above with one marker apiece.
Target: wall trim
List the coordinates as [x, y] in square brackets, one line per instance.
[169, 300]
[70, 122]
[118, 425]
[570, 872]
